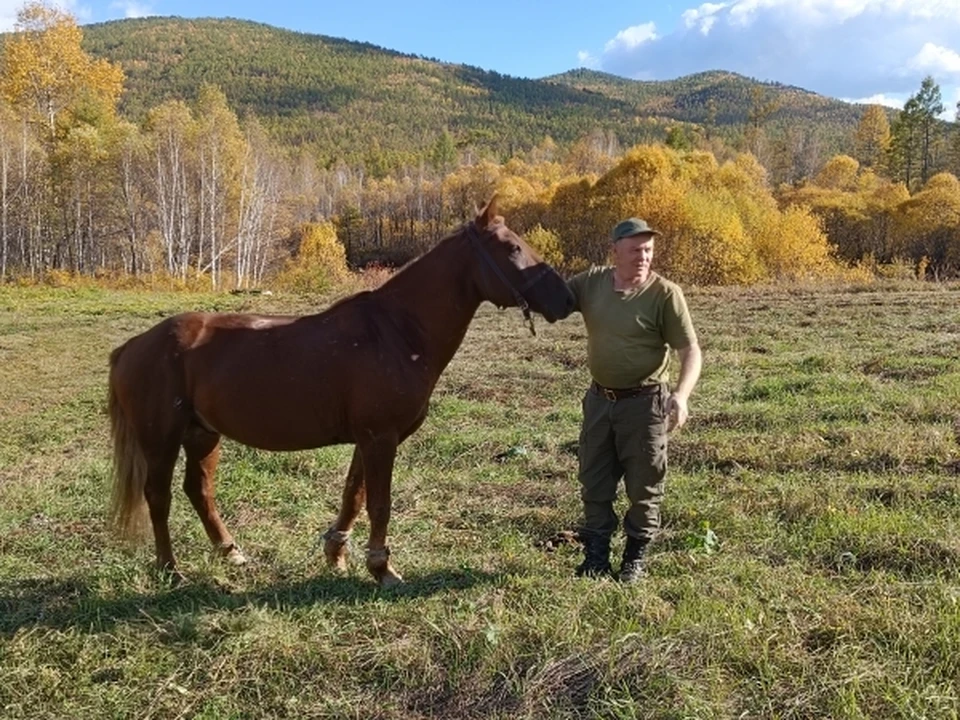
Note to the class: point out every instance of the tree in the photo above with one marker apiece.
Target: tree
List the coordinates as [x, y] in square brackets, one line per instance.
[45, 70]
[954, 160]
[220, 148]
[929, 225]
[169, 127]
[320, 259]
[260, 201]
[677, 138]
[69, 100]
[444, 152]
[710, 121]
[547, 245]
[872, 138]
[840, 173]
[762, 106]
[930, 107]
[130, 155]
[905, 142]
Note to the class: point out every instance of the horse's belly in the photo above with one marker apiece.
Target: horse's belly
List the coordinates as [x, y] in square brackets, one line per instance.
[267, 417]
[274, 420]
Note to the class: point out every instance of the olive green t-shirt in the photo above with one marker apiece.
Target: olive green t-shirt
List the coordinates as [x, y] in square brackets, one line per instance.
[629, 333]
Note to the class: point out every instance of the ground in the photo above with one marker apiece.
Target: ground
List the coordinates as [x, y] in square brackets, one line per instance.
[809, 565]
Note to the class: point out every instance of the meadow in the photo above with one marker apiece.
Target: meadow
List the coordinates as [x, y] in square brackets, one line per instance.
[809, 565]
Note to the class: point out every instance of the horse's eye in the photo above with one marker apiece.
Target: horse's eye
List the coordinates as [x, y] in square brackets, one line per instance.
[514, 250]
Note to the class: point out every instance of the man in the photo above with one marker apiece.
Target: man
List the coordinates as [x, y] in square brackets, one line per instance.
[633, 318]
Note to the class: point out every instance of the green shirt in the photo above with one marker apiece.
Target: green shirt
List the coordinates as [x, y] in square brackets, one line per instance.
[629, 333]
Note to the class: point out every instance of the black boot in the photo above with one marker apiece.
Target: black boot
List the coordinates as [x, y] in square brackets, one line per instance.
[596, 556]
[631, 569]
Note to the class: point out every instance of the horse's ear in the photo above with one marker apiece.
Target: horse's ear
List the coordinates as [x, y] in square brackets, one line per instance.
[487, 215]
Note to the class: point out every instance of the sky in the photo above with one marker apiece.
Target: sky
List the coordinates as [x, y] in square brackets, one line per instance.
[855, 50]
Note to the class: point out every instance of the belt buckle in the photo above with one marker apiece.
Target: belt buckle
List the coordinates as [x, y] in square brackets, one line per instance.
[609, 394]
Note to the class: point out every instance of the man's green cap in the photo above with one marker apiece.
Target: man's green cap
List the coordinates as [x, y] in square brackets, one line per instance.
[630, 227]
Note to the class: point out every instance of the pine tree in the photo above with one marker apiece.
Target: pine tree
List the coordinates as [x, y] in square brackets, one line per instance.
[930, 104]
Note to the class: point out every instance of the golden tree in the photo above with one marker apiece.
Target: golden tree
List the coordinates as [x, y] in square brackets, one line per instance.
[320, 261]
[929, 224]
[44, 70]
[872, 138]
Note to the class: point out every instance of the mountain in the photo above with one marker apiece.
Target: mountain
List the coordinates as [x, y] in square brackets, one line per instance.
[348, 100]
[687, 98]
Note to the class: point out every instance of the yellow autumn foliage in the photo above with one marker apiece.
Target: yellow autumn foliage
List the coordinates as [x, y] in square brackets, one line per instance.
[320, 262]
[929, 225]
[720, 223]
[547, 245]
[44, 69]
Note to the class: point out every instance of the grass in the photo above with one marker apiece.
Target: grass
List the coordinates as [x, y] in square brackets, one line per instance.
[809, 565]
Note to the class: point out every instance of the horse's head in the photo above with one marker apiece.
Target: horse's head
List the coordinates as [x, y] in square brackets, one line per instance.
[509, 273]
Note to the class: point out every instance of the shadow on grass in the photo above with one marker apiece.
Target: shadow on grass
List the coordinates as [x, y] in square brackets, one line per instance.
[70, 603]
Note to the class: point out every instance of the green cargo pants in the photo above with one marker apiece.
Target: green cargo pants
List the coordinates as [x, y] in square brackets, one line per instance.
[623, 438]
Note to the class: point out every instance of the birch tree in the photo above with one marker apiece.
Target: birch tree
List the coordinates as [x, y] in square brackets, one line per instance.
[169, 127]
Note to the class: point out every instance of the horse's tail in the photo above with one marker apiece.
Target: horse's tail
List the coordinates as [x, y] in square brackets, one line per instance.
[128, 504]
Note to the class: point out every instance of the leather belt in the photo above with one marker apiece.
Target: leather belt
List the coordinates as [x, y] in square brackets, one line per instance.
[614, 394]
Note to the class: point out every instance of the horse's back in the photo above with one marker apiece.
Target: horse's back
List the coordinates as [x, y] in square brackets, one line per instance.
[280, 382]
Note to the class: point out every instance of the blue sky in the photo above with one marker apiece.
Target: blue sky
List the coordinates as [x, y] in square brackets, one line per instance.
[863, 50]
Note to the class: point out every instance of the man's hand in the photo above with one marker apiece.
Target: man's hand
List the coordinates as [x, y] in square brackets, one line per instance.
[677, 412]
[690, 361]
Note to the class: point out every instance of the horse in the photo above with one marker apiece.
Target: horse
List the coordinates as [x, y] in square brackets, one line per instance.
[361, 372]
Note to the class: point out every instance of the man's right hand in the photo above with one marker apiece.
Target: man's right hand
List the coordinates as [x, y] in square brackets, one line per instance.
[677, 412]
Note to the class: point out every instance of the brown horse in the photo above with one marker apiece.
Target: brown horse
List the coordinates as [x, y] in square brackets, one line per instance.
[360, 372]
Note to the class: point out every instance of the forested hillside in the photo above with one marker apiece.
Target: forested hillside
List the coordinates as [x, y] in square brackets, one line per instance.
[723, 101]
[347, 99]
[344, 98]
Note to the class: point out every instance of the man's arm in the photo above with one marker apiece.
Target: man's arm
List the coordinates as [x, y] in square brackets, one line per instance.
[691, 360]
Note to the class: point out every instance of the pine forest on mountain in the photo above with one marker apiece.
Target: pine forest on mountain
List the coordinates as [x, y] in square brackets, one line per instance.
[224, 153]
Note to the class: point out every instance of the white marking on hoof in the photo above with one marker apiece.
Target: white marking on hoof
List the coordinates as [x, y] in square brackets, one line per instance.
[235, 557]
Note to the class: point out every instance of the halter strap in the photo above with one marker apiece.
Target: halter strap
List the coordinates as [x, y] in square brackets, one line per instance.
[517, 292]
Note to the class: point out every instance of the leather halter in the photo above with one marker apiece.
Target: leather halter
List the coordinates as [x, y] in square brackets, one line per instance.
[517, 292]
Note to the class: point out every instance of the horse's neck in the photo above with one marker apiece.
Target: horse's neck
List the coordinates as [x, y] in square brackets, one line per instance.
[437, 293]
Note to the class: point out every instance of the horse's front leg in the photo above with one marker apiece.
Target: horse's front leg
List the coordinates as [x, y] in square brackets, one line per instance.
[378, 454]
[354, 494]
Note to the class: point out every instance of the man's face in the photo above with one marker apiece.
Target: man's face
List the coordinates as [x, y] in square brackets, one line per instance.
[634, 254]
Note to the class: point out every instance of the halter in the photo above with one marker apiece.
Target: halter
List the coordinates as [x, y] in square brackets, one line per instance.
[517, 292]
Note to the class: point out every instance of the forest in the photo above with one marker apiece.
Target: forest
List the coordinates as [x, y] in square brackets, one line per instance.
[226, 154]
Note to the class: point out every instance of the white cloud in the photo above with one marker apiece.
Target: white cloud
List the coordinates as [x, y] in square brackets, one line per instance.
[632, 38]
[842, 48]
[703, 17]
[878, 99]
[132, 8]
[952, 106]
[10, 8]
[587, 60]
[936, 60]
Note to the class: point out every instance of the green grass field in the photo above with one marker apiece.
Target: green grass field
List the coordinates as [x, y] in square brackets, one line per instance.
[809, 565]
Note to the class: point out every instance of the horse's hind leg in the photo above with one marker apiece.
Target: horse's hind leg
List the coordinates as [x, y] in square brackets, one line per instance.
[160, 464]
[354, 494]
[202, 449]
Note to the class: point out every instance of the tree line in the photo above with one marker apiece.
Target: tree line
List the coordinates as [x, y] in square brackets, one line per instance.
[192, 192]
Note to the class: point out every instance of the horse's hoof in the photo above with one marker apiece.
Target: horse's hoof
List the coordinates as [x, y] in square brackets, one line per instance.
[235, 557]
[336, 555]
[390, 578]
